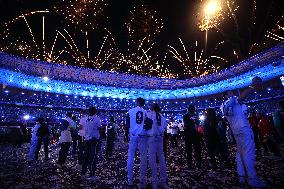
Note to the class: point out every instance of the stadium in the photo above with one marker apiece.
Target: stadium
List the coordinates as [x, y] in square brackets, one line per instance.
[51, 85]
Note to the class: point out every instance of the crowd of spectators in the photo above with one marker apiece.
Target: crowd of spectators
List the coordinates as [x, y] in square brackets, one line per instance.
[14, 105]
[86, 75]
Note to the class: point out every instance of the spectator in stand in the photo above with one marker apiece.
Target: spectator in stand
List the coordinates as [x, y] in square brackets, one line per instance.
[111, 132]
[42, 138]
[267, 134]
[191, 137]
[65, 141]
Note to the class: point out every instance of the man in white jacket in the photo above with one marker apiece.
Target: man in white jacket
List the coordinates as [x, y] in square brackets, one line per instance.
[232, 109]
[138, 139]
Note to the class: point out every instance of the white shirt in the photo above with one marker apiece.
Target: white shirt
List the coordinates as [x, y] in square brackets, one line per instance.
[137, 116]
[159, 124]
[81, 132]
[181, 126]
[65, 136]
[71, 122]
[235, 115]
[91, 125]
[34, 131]
[169, 130]
[174, 129]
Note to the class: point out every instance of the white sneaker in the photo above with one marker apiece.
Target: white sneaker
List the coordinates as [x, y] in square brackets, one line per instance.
[257, 183]
[164, 185]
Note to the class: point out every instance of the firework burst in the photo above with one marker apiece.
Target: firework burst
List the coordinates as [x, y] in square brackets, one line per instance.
[277, 32]
[36, 47]
[86, 14]
[213, 12]
[195, 64]
[143, 24]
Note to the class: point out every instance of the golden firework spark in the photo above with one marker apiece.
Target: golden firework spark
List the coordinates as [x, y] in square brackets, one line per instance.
[37, 49]
[197, 65]
[213, 12]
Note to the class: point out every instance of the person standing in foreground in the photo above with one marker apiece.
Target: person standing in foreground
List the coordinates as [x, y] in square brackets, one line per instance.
[81, 134]
[73, 130]
[191, 137]
[155, 146]
[138, 139]
[90, 125]
[34, 141]
[111, 132]
[42, 138]
[232, 110]
[65, 140]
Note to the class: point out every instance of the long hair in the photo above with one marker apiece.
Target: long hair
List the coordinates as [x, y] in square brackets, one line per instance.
[140, 101]
[211, 118]
[191, 109]
[156, 108]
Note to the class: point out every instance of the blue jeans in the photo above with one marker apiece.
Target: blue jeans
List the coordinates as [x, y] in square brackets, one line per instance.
[45, 141]
[90, 156]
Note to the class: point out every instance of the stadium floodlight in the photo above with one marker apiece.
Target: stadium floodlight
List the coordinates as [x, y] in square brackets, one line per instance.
[45, 78]
[26, 117]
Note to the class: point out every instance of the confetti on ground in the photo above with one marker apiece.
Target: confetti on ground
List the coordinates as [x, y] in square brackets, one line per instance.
[18, 172]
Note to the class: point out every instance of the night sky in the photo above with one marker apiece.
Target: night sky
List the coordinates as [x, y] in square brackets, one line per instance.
[180, 20]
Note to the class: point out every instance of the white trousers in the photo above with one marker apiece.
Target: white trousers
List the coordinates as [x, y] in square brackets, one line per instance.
[152, 150]
[161, 158]
[134, 143]
[155, 149]
[246, 153]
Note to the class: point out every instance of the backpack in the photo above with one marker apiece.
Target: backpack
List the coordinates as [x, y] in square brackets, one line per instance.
[148, 123]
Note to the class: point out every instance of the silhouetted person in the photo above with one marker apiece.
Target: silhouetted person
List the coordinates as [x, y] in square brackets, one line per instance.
[191, 136]
[43, 138]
